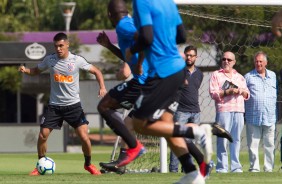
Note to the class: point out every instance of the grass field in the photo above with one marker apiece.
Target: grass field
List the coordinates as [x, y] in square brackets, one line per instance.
[14, 169]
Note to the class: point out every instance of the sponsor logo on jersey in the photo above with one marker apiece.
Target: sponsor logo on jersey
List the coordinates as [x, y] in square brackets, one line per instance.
[63, 78]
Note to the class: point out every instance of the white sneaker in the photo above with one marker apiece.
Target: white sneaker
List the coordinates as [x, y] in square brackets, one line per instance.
[204, 139]
[192, 178]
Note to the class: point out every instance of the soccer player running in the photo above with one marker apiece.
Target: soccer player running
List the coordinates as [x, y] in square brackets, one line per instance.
[125, 94]
[160, 30]
[64, 102]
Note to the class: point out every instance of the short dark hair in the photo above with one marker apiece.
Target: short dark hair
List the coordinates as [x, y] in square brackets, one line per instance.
[60, 36]
[190, 47]
[117, 7]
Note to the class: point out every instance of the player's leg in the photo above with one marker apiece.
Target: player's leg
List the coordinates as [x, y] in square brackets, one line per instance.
[129, 154]
[75, 117]
[194, 117]
[41, 146]
[50, 120]
[82, 133]
[205, 168]
[123, 96]
[107, 108]
[182, 118]
[219, 131]
[179, 148]
[112, 166]
[161, 128]
[153, 112]
[192, 175]
[179, 118]
[42, 141]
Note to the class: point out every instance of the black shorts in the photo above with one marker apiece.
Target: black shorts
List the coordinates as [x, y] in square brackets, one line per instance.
[126, 93]
[55, 115]
[159, 95]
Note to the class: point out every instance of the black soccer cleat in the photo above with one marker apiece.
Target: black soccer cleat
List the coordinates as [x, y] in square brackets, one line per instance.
[112, 167]
[219, 131]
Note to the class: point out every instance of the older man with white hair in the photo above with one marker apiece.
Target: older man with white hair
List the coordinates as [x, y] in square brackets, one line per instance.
[261, 113]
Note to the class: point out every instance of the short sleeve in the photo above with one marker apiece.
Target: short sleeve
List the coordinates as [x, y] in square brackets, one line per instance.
[44, 64]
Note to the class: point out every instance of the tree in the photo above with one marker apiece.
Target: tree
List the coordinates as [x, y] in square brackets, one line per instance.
[41, 15]
[10, 78]
[243, 30]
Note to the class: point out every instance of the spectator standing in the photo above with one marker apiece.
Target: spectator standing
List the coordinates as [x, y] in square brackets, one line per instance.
[229, 90]
[261, 113]
[189, 109]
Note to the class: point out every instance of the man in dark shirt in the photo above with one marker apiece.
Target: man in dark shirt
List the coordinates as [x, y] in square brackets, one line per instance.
[189, 109]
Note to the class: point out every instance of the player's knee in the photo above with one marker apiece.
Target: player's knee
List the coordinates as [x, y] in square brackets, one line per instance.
[84, 138]
[128, 123]
[42, 137]
[106, 104]
[101, 107]
[139, 128]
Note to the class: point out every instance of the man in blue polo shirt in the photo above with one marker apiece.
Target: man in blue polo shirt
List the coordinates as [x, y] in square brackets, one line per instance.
[260, 113]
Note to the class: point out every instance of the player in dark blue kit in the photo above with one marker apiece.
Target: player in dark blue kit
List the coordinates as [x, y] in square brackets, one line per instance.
[160, 30]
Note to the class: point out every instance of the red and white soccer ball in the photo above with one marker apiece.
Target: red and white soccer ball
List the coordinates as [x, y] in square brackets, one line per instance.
[46, 166]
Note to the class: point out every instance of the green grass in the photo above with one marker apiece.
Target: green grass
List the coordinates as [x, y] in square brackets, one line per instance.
[106, 131]
[14, 169]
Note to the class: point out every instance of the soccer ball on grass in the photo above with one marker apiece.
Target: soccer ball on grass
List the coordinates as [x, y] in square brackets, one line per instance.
[46, 166]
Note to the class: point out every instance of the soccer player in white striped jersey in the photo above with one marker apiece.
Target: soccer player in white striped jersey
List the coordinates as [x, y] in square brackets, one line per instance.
[64, 102]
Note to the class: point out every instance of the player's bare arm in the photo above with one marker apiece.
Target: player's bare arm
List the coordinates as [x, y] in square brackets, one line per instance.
[95, 71]
[29, 71]
[104, 40]
[124, 72]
